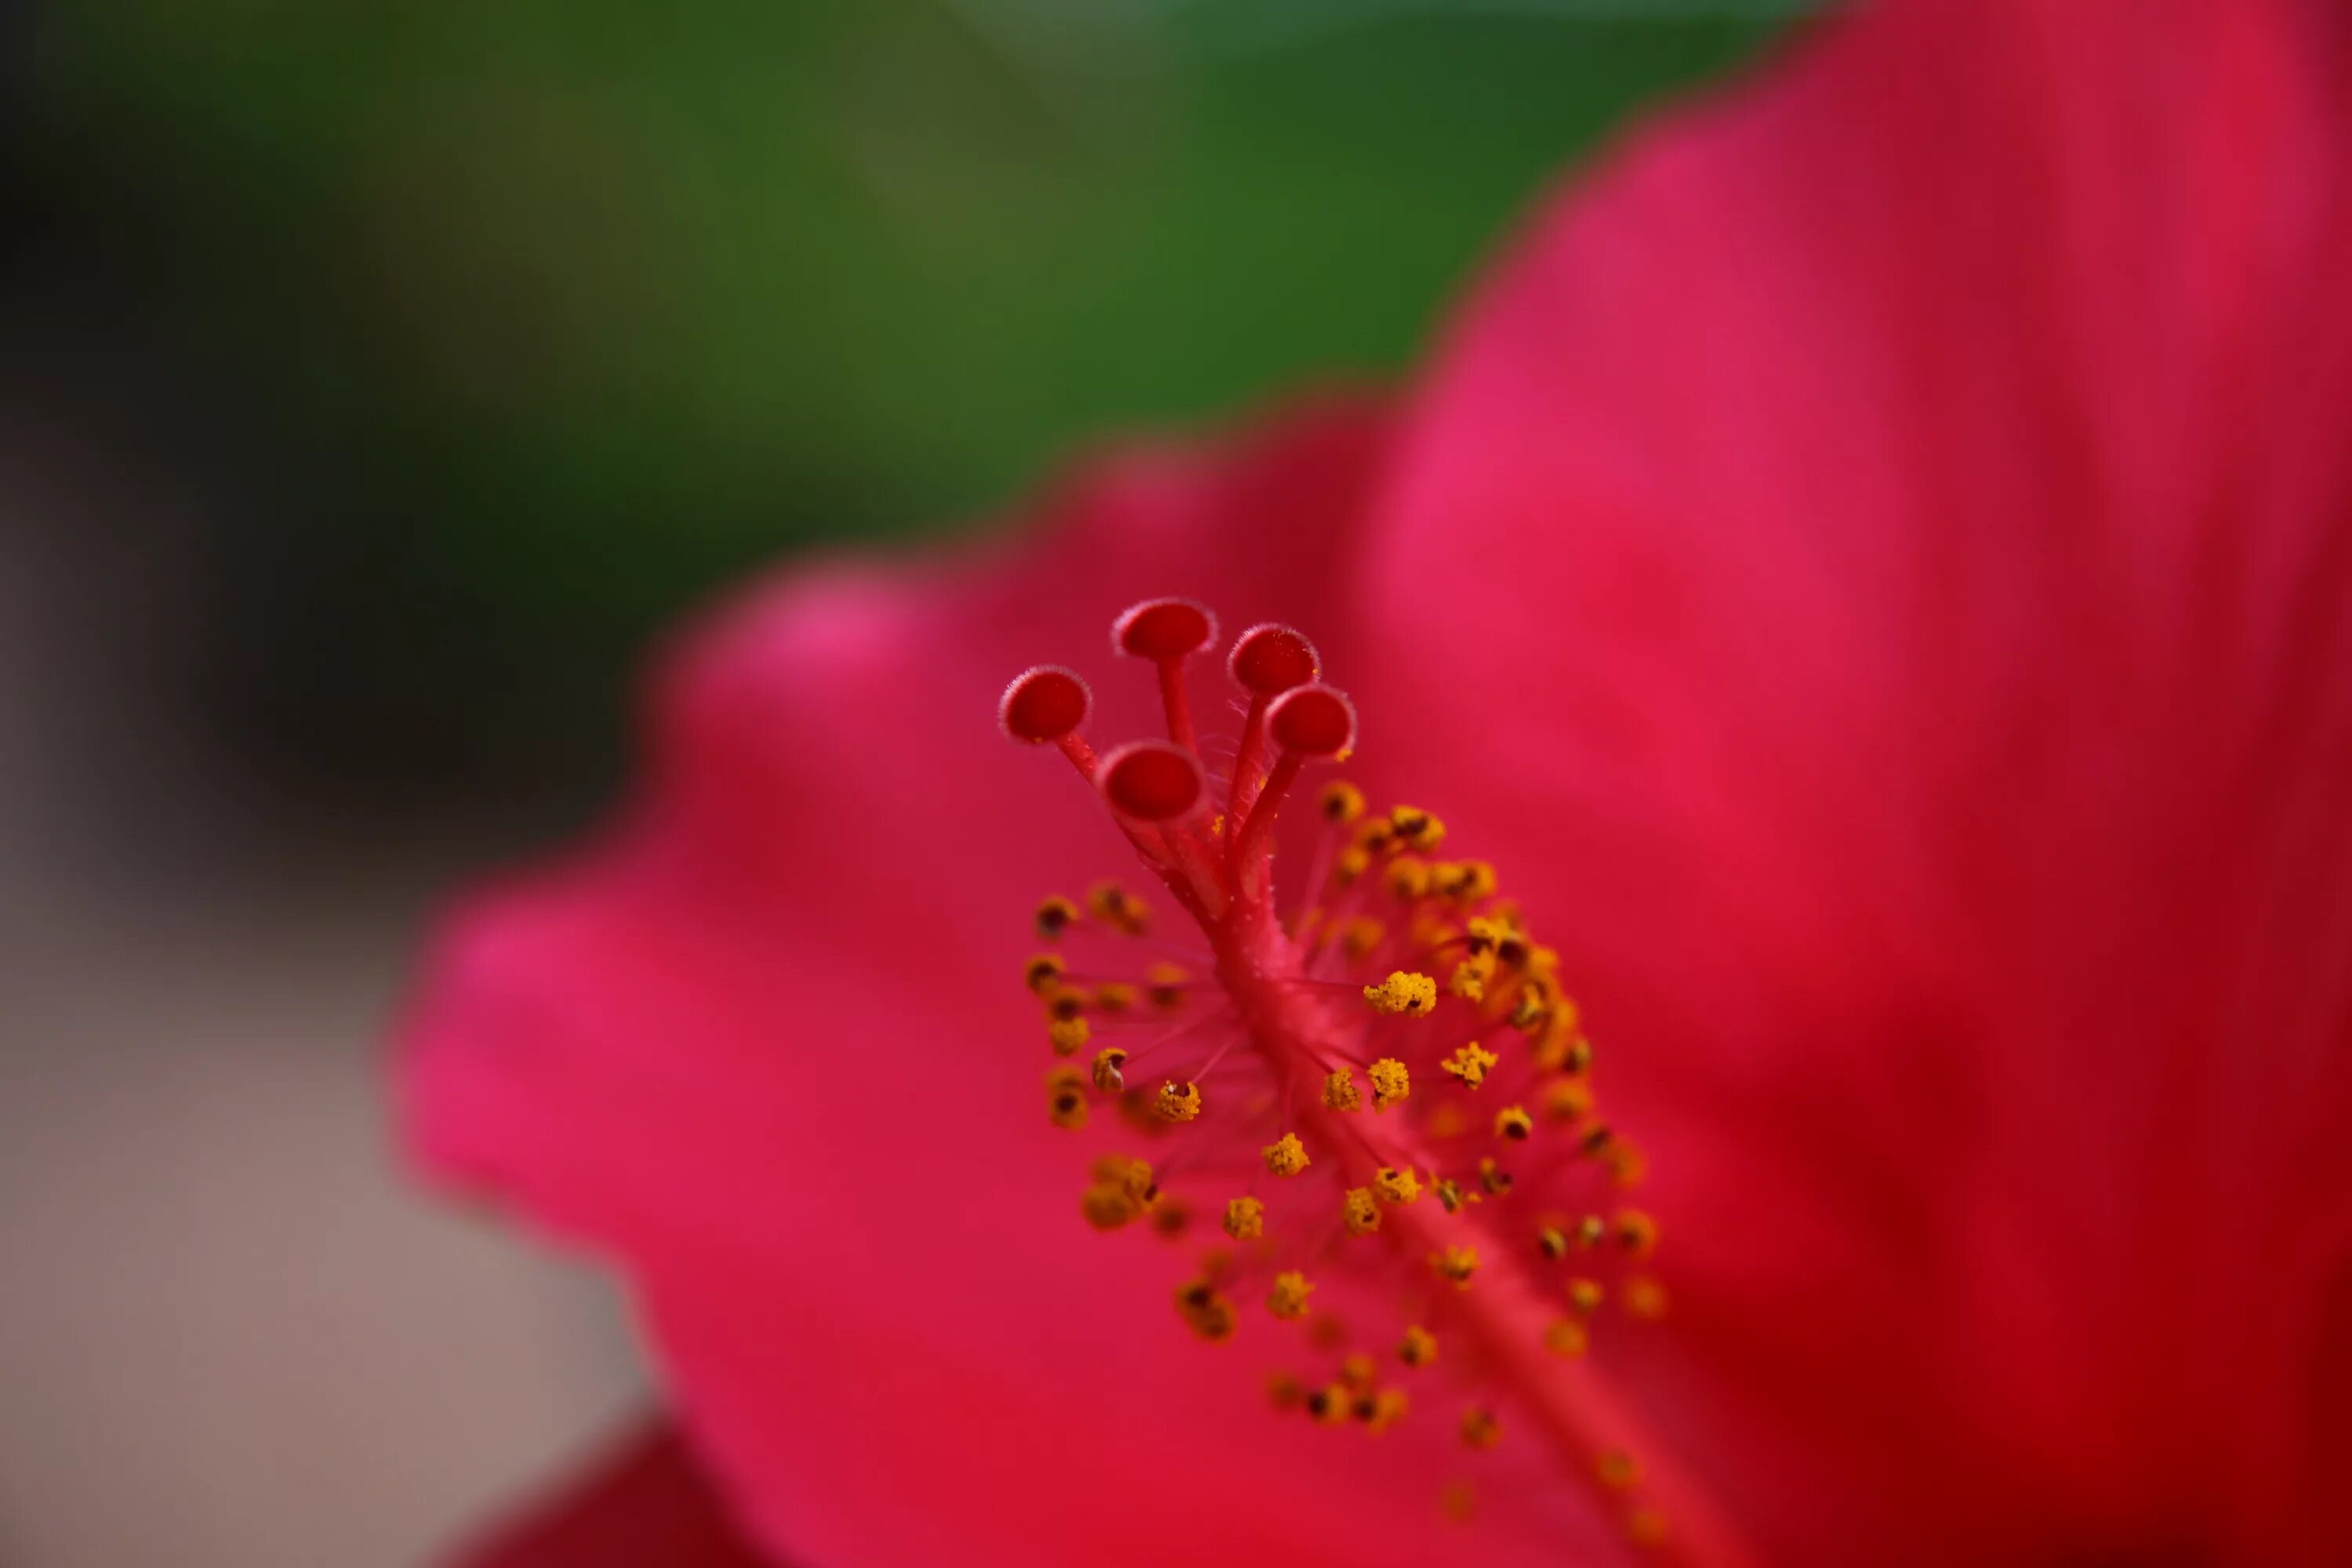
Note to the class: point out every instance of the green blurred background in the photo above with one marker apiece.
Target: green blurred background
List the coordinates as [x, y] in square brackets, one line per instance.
[507, 328]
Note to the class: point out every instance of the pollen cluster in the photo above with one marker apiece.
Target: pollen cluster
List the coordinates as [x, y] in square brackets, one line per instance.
[1396, 1030]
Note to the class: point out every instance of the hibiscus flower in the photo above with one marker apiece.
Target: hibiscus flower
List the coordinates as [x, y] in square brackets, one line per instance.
[1872, 571]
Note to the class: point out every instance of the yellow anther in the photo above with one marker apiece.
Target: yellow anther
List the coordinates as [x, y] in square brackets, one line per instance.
[1390, 1082]
[1407, 877]
[1340, 1091]
[1055, 916]
[1286, 1156]
[1449, 1192]
[1115, 906]
[1360, 1213]
[1616, 1470]
[1106, 1205]
[1332, 1405]
[1288, 1297]
[1177, 1101]
[1043, 971]
[1133, 1177]
[1590, 1231]
[1469, 978]
[1068, 1108]
[1636, 1232]
[1466, 881]
[1413, 995]
[1584, 1295]
[1625, 1163]
[1360, 935]
[1417, 827]
[1114, 996]
[1593, 1138]
[1481, 934]
[1531, 1008]
[1205, 1310]
[1352, 863]
[1514, 1122]
[1552, 1242]
[1244, 1219]
[1360, 1371]
[1419, 1347]
[1375, 836]
[1171, 1218]
[1566, 1336]
[1167, 985]
[1567, 1099]
[1646, 1299]
[1455, 1263]
[1480, 1429]
[1646, 1527]
[1106, 1076]
[1387, 1408]
[1493, 1177]
[1284, 1389]
[1513, 950]
[1396, 1184]
[1471, 1064]
[1068, 1035]
[1340, 801]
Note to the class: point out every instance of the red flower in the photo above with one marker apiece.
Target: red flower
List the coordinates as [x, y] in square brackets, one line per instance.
[1876, 569]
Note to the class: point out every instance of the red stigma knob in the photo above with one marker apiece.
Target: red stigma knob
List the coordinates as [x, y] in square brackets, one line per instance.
[1312, 721]
[1163, 628]
[1042, 705]
[1271, 658]
[1151, 781]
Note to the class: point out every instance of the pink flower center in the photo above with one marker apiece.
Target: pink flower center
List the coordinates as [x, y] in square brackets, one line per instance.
[1382, 1095]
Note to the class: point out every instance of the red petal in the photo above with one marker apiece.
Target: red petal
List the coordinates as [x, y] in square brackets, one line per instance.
[645, 1502]
[1880, 557]
[768, 1049]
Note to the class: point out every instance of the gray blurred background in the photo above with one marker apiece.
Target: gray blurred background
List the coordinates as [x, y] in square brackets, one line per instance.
[377, 376]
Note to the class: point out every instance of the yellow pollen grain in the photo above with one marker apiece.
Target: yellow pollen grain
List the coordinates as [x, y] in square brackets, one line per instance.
[1244, 1219]
[1552, 1241]
[1417, 827]
[1483, 934]
[1332, 1405]
[1407, 877]
[1390, 1082]
[1286, 1156]
[1636, 1232]
[1360, 1371]
[1353, 864]
[1514, 1122]
[1469, 978]
[1390, 1405]
[1468, 882]
[1165, 986]
[1114, 996]
[1177, 1101]
[1360, 935]
[1068, 1035]
[1115, 906]
[1471, 1064]
[1480, 1429]
[1055, 916]
[1455, 1263]
[1133, 1176]
[1068, 1108]
[1340, 801]
[1106, 1074]
[1105, 1206]
[1566, 1337]
[1288, 1297]
[1043, 971]
[1408, 994]
[1449, 1192]
[1396, 1184]
[1340, 1093]
[1360, 1213]
[1566, 1100]
[1646, 1299]
[1205, 1310]
[1419, 1347]
[1493, 1177]
[1584, 1295]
